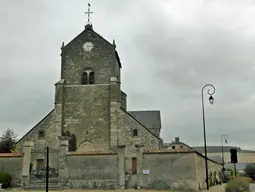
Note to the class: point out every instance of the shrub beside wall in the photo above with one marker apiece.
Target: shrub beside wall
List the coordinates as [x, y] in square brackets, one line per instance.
[5, 179]
[239, 184]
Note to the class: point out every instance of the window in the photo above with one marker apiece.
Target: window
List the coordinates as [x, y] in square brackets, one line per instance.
[135, 132]
[86, 132]
[41, 133]
[181, 147]
[91, 78]
[67, 133]
[84, 78]
[72, 143]
[173, 147]
[88, 77]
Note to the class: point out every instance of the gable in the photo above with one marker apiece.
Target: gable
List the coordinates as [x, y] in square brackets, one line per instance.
[89, 52]
[86, 33]
[142, 125]
[34, 131]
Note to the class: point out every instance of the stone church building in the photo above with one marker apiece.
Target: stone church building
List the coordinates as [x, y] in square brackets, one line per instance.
[93, 140]
[90, 106]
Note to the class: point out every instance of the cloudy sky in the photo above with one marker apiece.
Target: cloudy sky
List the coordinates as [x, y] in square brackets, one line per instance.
[169, 50]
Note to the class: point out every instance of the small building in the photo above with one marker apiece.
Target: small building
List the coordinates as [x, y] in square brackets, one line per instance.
[177, 144]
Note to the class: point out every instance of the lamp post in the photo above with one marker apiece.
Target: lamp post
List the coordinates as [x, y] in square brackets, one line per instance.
[224, 137]
[211, 91]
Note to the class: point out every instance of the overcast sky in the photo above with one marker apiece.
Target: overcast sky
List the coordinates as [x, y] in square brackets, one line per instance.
[169, 50]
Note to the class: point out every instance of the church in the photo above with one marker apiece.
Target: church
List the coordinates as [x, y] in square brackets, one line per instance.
[93, 140]
[90, 106]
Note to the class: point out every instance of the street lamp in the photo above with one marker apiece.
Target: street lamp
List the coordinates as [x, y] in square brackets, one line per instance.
[211, 91]
[224, 137]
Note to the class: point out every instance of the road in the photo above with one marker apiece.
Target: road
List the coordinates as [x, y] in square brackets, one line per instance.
[252, 187]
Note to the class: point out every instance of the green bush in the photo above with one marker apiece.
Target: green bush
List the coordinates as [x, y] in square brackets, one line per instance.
[5, 179]
[239, 184]
[250, 169]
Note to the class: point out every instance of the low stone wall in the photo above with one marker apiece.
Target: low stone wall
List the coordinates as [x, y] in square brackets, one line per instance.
[93, 170]
[214, 171]
[169, 170]
[12, 164]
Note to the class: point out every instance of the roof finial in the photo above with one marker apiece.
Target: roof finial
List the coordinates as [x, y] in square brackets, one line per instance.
[88, 12]
[113, 43]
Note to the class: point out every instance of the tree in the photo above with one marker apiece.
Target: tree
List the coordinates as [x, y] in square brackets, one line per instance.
[8, 141]
[250, 169]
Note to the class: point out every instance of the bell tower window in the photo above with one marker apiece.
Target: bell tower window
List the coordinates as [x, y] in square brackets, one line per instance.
[88, 77]
[84, 78]
[91, 77]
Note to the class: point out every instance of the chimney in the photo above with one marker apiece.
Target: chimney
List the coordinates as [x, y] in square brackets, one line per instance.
[177, 139]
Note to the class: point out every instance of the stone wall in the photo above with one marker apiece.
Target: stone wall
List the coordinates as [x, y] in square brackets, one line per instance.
[173, 171]
[93, 170]
[12, 164]
[87, 115]
[150, 141]
[47, 124]
[101, 59]
[41, 154]
[214, 170]
[50, 139]
[145, 137]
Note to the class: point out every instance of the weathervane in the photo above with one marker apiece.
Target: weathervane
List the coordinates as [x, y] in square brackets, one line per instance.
[88, 12]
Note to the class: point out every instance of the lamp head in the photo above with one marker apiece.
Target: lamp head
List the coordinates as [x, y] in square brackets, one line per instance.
[211, 99]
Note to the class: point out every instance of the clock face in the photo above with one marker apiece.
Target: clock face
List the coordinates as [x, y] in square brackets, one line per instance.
[88, 46]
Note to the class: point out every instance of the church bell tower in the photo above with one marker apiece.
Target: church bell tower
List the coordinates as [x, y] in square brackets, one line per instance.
[89, 87]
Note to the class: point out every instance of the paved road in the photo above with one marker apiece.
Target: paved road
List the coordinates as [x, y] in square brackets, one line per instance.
[252, 187]
[221, 188]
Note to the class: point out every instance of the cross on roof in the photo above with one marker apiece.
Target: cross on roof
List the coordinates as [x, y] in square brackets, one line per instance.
[88, 12]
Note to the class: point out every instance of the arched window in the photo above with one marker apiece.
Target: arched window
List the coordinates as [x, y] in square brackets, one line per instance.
[91, 77]
[84, 78]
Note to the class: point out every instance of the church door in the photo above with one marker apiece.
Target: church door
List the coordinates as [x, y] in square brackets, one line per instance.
[39, 164]
[134, 165]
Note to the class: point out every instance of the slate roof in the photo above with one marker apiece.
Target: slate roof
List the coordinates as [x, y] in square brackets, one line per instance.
[216, 158]
[216, 149]
[141, 123]
[150, 119]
